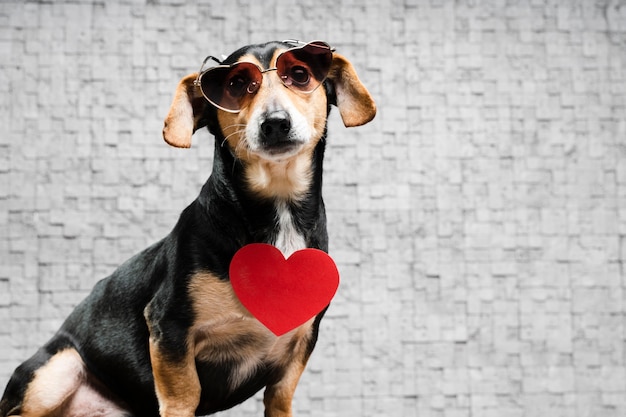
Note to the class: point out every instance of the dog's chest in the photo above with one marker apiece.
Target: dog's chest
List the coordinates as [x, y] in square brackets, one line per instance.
[227, 336]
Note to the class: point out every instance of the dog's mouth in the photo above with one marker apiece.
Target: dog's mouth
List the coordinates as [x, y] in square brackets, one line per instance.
[280, 149]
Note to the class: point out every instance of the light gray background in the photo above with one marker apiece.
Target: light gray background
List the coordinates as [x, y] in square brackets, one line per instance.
[479, 223]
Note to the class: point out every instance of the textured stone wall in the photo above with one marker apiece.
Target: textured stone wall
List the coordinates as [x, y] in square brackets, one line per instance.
[479, 223]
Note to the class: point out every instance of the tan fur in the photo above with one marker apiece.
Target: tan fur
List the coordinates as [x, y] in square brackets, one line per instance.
[220, 319]
[187, 107]
[355, 103]
[177, 385]
[287, 180]
[278, 398]
[64, 388]
[54, 384]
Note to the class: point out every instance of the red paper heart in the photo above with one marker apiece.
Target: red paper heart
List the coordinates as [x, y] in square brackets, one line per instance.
[283, 293]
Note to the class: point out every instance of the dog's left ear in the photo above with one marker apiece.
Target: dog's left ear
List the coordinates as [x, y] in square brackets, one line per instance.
[355, 103]
[186, 115]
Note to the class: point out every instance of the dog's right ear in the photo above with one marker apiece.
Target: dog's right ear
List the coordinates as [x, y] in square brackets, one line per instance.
[186, 115]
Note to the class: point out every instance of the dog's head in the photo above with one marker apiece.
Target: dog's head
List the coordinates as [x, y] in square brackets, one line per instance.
[271, 121]
[269, 102]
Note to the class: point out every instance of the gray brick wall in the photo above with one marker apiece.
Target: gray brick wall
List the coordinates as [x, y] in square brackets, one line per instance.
[479, 222]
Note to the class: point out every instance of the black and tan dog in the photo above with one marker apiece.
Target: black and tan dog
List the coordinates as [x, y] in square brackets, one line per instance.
[165, 334]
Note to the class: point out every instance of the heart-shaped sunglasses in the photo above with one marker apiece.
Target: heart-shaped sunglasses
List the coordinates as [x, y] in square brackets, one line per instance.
[302, 68]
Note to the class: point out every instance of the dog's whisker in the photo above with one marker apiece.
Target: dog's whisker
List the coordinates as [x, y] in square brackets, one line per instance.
[243, 146]
[236, 132]
[235, 125]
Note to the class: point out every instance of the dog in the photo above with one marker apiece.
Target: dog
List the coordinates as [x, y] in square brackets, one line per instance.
[164, 334]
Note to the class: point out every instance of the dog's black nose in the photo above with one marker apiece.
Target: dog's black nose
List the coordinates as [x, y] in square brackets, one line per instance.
[276, 127]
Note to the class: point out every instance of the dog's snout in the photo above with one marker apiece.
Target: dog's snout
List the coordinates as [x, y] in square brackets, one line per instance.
[276, 127]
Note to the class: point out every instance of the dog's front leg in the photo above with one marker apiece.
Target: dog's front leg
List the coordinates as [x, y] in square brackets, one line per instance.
[176, 382]
[277, 398]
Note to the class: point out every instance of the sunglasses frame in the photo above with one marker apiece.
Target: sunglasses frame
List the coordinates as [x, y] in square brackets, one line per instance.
[297, 45]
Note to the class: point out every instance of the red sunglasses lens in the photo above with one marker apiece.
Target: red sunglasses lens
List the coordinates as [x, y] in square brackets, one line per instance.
[228, 87]
[305, 68]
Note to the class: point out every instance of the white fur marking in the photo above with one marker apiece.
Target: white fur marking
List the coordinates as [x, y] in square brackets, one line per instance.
[288, 239]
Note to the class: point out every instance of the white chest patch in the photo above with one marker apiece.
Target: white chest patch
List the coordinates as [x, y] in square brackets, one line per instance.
[288, 239]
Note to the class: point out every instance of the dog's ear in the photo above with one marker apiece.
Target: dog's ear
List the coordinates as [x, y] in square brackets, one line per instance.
[355, 103]
[186, 115]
